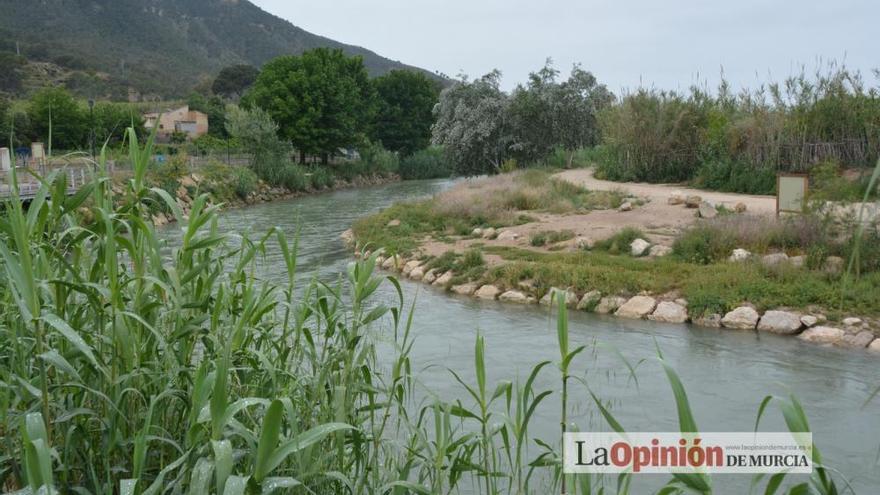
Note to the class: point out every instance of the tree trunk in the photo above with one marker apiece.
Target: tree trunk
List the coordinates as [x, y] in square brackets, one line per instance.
[302, 157]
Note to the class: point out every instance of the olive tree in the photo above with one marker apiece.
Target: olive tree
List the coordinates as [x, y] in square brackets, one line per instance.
[471, 125]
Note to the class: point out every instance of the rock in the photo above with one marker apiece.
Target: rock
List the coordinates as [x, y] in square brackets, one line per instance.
[464, 289]
[347, 237]
[430, 277]
[740, 208]
[797, 261]
[609, 304]
[809, 320]
[379, 260]
[782, 322]
[659, 251]
[822, 335]
[570, 298]
[669, 312]
[477, 232]
[637, 308]
[507, 235]
[516, 296]
[589, 301]
[489, 233]
[741, 318]
[488, 292]
[707, 210]
[774, 259]
[676, 198]
[410, 266]
[418, 273]
[583, 242]
[875, 346]
[444, 279]
[392, 262]
[394, 223]
[638, 247]
[858, 340]
[833, 265]
[712, 320]
[739, 255]
[626, 206]
[693, 201]
[682, 302]
[852, 321]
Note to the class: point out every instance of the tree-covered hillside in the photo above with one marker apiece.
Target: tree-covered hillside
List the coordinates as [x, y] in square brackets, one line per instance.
[162, 47]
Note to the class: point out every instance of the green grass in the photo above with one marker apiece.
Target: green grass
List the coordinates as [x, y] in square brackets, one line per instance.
[620, 241]
[546, 237]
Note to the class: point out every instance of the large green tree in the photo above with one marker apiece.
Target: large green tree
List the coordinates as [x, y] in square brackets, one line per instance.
[404, 115]
[321, 100]
[110, 120]
[56, 110]
[215, 108]
[234, 81]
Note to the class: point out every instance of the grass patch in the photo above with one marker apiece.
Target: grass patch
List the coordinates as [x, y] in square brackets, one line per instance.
[619, 242]
[546, 237]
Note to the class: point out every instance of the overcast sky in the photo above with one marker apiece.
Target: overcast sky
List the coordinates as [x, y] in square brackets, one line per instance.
[668, 44]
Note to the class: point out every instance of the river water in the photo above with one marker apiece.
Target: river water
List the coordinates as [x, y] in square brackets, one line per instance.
[726, 374]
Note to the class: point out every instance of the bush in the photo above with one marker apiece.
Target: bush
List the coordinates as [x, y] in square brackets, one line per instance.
[619, 242]
[726, 175]
[377, 160]
[293, 177]
[550, 237]
[428, 163]
[245, 181]
[321, 177]
[704, 244]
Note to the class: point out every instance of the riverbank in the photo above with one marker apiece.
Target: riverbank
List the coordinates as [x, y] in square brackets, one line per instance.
[588, 246]
[222, 190]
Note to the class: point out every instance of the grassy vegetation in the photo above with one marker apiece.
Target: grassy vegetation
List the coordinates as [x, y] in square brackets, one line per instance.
[620, 241]
[716, 287]
[500, 201]
[546, 237]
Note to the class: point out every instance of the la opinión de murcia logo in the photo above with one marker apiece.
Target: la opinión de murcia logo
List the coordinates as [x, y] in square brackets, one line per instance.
[673, 452]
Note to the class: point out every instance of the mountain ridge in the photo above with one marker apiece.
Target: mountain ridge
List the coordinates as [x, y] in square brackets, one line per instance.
[162, 47]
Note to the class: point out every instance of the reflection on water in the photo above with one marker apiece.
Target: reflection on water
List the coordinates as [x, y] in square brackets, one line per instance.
[727, 374]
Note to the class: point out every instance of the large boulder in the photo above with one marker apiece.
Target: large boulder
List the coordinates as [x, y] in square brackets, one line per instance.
[809, 320]
[477, 232]
[774, 259]
[394, 223]
[430, 277]
[488, 292]
[507, 235]
[516, 296]
[571, 299]
[410, 266]
[857, 340]
[626, 206]
[782, 322]
[741, 318]
[739, 255]
[581, 242]
[637, 307]
[833, 265]
[444, 279]
[740, 207]
[609, 304]
[797, 261]
[489, 233]
[464, 289]
[669, 312]
[852, 321]
[822, 335]
[638, 247]
[659, 251]
[589, 301]
[392, 262]
[875, 346]
[676, 198]
[693, 201]
[418, 273]
[707, 210]
[711, 320]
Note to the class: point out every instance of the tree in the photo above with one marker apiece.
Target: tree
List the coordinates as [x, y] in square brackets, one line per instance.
[111, 120]
[10, 75]
[546, 114]
[234, 81]
[68, 119]
[405, 107]
[472, 125]
[321, 100]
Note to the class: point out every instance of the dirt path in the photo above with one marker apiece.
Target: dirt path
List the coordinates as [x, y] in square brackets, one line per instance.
[659, 193]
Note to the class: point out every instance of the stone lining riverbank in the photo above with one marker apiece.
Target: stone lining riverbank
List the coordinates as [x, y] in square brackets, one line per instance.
[808, 326]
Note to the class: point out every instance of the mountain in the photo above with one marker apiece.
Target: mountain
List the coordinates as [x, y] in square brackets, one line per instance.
[157, 47]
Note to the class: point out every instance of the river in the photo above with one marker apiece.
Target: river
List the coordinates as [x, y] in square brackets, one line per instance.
[726, 374]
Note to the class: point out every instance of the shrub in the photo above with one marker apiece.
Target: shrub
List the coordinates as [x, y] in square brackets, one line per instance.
[429, 163]
[293, 177]
[245, 181]
[619, 242]
[321, 177]
[550, 237]
[726, 175]
[377, 160]
[704, 244]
